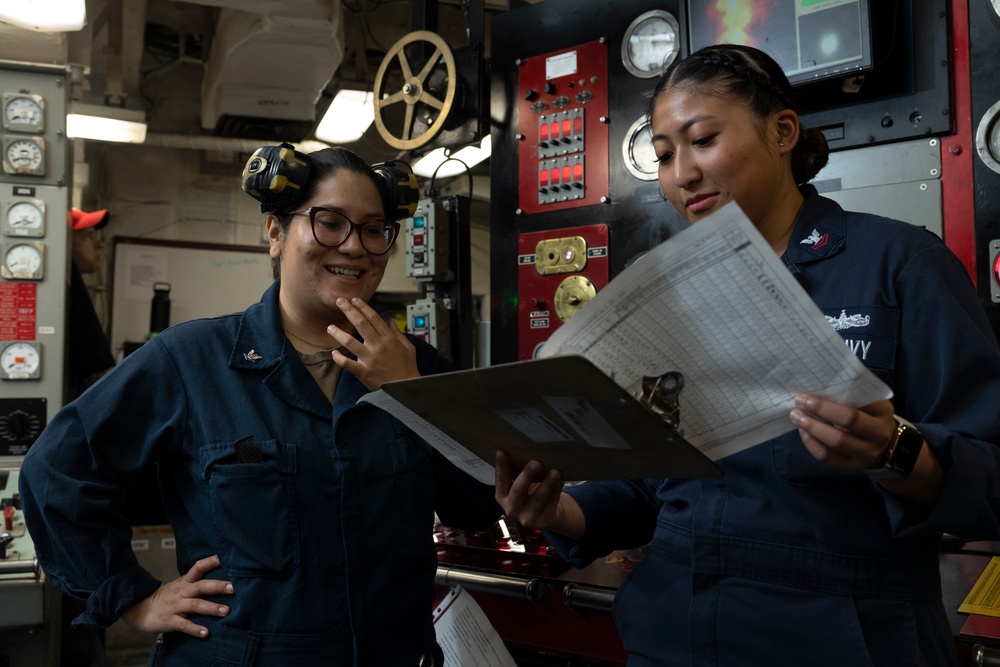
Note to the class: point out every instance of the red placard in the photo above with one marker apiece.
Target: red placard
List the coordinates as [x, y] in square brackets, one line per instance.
[18, 311]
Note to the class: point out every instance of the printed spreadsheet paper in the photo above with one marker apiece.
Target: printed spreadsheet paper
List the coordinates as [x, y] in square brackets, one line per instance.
[715, 304]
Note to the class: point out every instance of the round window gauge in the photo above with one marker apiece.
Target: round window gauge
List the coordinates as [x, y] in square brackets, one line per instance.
[23, 113]
[20, 360]
[651, 44]
[637, 150]
[25, 156]
[23, 261]
[25, 218]
[988, 138]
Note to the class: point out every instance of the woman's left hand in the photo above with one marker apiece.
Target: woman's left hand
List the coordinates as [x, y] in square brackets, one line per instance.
[844, 438]
[385, 355]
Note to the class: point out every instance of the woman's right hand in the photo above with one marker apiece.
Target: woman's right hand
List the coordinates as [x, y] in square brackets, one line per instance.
[535, 499]
[167, 609]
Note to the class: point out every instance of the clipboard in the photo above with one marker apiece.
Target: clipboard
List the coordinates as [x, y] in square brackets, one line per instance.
[562, 411]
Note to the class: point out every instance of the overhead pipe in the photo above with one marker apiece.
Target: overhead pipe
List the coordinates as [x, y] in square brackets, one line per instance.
[204, 142]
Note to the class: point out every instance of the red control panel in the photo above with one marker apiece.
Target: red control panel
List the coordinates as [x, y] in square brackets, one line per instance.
[558, 271]
[563, 129]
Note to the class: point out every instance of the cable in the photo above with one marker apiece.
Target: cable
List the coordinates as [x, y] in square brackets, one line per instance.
[468, 172]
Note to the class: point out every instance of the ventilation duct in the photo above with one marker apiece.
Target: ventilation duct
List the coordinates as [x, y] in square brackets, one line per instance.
[269, 63]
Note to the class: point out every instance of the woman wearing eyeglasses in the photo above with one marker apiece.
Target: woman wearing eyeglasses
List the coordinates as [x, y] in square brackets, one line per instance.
[303, 520]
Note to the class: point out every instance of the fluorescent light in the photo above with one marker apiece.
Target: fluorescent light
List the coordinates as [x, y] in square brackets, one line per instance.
[45, 15]
[310, 146]
[349, 115]
[92, 121]
[470, 155]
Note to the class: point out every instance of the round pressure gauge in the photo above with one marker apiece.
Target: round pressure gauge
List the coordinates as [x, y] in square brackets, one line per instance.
[20, 360]
[637, 150]
[988, 138]
[22, 261]
[651, 43]
[24, 156]
[25, 218]
[23, 113]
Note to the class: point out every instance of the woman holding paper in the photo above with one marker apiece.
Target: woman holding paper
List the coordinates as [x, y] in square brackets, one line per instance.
[302, 518]
[819, 547]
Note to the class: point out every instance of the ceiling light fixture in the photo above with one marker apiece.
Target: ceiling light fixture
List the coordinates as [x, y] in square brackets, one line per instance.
[350, 114]
[448, 162]
[45, 15]
[101, 123]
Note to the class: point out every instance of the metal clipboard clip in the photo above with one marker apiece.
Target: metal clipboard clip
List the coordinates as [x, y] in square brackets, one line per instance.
[661, 394]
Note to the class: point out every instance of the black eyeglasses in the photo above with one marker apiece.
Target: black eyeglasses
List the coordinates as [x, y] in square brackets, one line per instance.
[332, 228]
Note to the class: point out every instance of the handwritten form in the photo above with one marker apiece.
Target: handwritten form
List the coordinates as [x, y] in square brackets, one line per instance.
[716, 304]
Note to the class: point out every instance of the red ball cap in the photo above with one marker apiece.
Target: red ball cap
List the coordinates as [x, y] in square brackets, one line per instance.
[81, 220]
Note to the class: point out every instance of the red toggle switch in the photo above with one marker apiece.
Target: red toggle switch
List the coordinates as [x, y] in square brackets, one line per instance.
[8, 518]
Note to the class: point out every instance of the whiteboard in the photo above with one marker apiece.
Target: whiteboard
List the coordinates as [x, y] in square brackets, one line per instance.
[205, 280]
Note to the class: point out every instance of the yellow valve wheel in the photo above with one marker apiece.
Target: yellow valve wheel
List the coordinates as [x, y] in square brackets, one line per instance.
[428, 94]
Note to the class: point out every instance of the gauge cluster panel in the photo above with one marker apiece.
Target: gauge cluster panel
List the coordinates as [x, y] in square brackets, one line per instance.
[34, 250]
[571, 84]
[33, 144]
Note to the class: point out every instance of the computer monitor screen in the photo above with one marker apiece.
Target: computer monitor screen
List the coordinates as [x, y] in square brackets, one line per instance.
[812, 40]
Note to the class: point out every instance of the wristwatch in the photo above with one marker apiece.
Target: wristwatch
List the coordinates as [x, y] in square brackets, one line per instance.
[902, 452]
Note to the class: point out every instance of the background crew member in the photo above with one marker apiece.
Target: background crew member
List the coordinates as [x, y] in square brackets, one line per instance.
[819, 547]
[88, 350]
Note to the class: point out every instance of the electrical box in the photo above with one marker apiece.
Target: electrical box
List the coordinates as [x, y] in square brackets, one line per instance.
[427, 248]
[34, 252]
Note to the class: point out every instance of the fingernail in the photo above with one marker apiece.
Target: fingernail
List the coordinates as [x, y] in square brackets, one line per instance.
[223, 611]
[533, 467]
[341, 301]
[203, 633]
[229, 588]
[355, 300]
[554, 474]
[796, 416]
[804, 401]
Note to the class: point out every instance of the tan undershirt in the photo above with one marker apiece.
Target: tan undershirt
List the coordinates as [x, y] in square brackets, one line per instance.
[326, 373]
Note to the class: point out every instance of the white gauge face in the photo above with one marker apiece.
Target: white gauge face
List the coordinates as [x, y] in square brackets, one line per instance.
[637, 150]
[25, 219]
[20, 360]
[23, 261]
[651, 44]
[23, 112]
[24, 156]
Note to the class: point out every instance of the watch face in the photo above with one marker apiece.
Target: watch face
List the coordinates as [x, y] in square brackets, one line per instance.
[909, 442]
